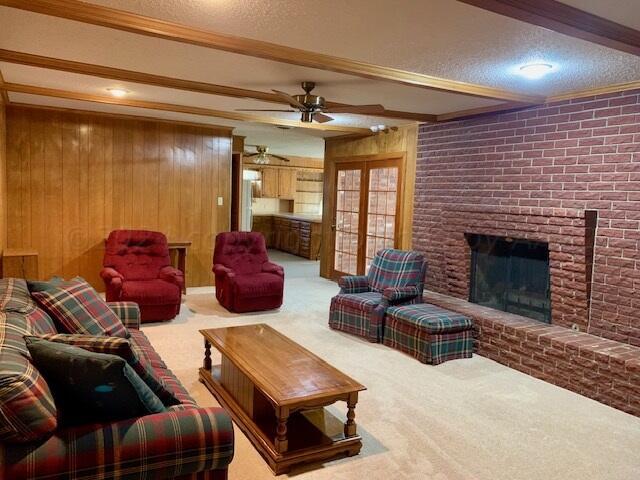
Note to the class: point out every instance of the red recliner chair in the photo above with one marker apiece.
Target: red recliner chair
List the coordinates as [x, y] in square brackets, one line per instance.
[246, 281]
[137, 268]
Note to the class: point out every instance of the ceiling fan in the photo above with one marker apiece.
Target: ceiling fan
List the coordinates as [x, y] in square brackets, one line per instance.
[313, 107]
[262, 155]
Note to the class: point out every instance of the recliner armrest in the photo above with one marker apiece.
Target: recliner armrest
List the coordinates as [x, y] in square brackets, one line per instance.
[172, 275]
[397, 294]
[353, 284]
[269, 267]
[112, 277]
[220, 269]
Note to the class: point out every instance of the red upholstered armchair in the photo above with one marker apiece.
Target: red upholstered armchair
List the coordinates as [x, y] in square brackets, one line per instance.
[246, 281]
[137, 268]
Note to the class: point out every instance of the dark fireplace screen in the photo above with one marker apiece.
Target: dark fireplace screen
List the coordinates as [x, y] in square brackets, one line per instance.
[511, 275]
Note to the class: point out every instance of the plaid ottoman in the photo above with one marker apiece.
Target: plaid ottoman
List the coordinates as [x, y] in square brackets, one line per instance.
[429, 333]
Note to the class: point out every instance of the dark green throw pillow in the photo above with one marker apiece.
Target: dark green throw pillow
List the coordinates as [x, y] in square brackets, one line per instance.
[91, 387]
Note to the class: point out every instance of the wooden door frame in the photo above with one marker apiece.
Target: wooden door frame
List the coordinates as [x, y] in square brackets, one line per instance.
[366, 163]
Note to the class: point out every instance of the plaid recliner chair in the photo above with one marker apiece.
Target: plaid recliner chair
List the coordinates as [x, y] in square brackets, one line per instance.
[396, 277]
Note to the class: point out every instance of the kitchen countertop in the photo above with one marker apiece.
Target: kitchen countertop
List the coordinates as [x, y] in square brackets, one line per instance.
[304, 217]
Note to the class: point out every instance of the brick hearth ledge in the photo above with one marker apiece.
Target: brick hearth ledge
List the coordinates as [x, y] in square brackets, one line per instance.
[598, 368]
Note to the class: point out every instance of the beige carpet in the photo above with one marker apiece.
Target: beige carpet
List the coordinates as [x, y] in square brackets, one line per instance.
[465, 419]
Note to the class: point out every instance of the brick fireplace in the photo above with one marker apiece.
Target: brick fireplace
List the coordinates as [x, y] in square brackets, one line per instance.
[566, 174]
[568, 233]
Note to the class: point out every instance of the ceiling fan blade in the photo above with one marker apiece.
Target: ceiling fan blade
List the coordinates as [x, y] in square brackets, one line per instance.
[321, 117]
[279, 157]
[247, 154]
[289, 99]
[361, 109]
[262, 110]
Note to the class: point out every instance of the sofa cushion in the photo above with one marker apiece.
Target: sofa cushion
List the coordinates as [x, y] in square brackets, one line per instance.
[77, 308]
[366, 301]
[27, 408]
[15, 297]
[151, 292]
[258, 285]
[141, 345]
[91, 387]
[122, 348]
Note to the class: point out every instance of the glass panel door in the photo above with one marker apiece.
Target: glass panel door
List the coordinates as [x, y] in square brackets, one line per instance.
[348, 196]
[381, 211]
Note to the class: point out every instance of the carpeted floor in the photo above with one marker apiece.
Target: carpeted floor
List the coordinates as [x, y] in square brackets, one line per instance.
[465, 419]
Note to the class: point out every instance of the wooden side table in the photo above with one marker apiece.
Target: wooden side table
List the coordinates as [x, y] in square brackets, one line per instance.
[180, 248]
[20, 263]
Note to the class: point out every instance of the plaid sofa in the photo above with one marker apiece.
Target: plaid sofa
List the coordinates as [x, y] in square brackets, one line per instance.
[396, 277]
[429, 333]
[186, 442]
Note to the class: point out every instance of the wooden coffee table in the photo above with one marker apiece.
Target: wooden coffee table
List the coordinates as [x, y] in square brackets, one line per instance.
[275, 390]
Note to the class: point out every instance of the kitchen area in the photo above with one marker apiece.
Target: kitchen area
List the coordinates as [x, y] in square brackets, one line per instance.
[282, 199]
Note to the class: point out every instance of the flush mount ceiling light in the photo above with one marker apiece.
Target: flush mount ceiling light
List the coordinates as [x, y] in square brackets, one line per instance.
[117, 92]
[535, 70]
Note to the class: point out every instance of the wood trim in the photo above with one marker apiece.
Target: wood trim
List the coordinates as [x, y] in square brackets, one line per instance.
[218, 129]
[170, 107]
[3, 91]
[102, 71]
[592, 92]
[131, 22]
[472, 112]
[567, 20]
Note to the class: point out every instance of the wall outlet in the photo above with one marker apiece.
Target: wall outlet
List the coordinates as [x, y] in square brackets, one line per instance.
[220, 201]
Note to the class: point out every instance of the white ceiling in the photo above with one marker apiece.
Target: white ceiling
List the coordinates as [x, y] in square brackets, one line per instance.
[443, 38]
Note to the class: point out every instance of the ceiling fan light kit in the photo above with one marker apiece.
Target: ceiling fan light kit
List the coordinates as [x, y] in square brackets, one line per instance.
[313, 107]
[262, 155]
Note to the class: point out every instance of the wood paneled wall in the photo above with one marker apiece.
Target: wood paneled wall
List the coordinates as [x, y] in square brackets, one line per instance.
[3, 175]
[400, 143]
[72, 177]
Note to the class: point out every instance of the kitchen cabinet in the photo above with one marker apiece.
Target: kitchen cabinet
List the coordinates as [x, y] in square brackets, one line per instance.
[287, 182]
[270, 181]
[297, 236]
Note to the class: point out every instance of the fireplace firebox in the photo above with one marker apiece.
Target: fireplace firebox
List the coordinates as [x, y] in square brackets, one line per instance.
[511, 275]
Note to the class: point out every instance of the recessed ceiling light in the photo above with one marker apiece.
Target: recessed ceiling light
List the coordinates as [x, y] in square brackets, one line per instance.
[117, 92]
[535, 70]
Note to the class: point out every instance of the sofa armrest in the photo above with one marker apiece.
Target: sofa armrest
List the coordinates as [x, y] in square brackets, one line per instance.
[269, 267]
[400, 294]
[353, 284]
[128, 312]
[219, 269]
[164, 445]
[172, 275]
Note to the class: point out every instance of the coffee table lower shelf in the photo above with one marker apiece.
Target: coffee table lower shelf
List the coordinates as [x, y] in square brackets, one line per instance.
[314, 434]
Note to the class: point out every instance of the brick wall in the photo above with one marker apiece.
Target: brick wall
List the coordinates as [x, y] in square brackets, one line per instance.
[582, 154]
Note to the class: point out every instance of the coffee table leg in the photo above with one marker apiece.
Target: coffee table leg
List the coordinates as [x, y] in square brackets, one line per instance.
[206, 363]
[350, 424]
[281, 443]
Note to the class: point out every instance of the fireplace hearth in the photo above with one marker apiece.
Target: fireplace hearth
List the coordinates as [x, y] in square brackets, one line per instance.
[511, 275]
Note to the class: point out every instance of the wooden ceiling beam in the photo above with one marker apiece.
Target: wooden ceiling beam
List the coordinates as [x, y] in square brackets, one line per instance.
[565, 19]
[169, 107]
[139, 24]
[101, 71]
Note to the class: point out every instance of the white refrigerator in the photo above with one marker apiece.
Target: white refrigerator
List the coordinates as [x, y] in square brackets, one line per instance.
[247, 200]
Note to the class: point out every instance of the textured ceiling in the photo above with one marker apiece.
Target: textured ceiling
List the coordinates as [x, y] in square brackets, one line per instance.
[443, 38]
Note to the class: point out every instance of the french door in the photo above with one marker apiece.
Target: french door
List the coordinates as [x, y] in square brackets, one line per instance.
[366, 213]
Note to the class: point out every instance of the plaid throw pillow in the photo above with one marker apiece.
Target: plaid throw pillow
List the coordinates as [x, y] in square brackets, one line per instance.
[122, 348]
[77, 308]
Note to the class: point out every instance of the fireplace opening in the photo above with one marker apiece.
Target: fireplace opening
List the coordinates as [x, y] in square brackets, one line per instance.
[511, 275]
